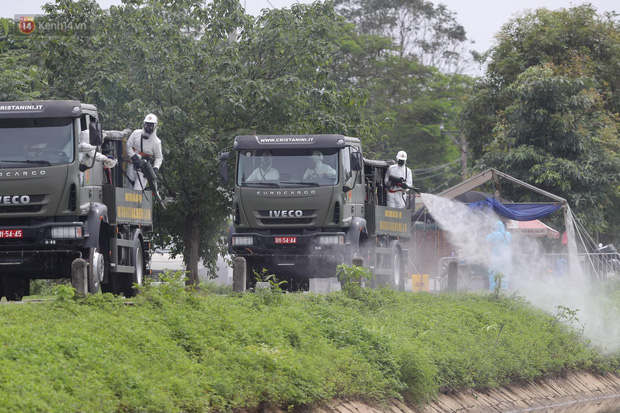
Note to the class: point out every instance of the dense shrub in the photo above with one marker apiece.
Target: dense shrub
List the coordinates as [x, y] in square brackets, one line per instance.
[173, 349]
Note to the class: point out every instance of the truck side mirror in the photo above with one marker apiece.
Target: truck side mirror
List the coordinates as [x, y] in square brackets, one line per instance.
[95, 133]
[356, 161]
[223, 157]
[350, 184]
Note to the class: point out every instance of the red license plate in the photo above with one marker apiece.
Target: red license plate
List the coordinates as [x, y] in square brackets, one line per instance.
[11, 233]
[286, 240]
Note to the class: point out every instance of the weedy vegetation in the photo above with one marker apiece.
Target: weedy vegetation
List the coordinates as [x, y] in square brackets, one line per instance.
[198, 350]
[353, 278]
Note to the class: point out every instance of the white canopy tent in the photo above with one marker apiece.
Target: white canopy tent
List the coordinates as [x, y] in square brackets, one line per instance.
[495, 176]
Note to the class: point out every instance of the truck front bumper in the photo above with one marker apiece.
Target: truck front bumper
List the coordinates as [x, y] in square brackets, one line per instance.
[40, 249]
[315, 255]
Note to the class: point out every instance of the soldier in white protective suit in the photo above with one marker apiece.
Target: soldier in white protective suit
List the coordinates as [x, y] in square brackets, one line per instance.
[143, 143]
[319, 169]
[266, 171]
[395, 177]
[87, 152]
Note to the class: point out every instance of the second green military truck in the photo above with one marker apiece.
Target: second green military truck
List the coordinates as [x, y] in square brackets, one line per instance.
[305, 203]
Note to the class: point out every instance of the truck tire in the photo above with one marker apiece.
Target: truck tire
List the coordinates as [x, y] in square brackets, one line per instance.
[112, 286]
[96, 269]
[250, 278]
[14, 288]
[137, 260]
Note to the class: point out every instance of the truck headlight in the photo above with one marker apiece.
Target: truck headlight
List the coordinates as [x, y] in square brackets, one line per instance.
[330, 239]
[242, 241]
[71, 232]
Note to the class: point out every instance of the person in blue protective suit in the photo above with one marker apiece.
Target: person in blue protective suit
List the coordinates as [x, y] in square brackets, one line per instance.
[500, 260]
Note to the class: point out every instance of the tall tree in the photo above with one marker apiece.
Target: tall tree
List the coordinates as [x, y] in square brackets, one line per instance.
[415, 97]
[209, 73]
[19, 77]
[547, 109]
[418, 29]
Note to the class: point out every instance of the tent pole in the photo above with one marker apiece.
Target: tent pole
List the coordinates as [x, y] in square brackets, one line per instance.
[530, 187]
[573, 261]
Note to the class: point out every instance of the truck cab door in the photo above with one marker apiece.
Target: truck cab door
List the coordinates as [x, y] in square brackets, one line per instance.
[353, 200]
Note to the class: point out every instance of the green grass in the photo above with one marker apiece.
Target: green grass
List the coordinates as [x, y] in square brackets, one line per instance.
[176, 350]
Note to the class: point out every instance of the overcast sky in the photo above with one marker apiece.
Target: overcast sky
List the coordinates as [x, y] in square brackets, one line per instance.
[482, 19]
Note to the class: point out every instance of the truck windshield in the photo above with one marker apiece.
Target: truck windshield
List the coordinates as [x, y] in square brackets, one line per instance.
[287, 167]
[24, 142]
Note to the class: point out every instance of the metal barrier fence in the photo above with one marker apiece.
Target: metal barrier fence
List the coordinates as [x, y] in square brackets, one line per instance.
[459, 274]
[597, 266]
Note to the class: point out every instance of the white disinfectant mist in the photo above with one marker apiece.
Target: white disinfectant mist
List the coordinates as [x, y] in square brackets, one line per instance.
[543, 280]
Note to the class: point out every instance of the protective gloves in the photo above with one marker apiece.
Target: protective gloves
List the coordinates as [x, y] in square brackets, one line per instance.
[110, 162]
[136, 162]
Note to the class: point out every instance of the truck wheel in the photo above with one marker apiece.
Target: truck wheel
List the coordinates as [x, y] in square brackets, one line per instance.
[112, 285]
[250, 277]
[137, 260]
[96, 269]
[14, 288]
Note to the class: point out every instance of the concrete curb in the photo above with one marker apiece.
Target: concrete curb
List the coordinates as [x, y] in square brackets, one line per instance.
[544, 393]
[563, 393]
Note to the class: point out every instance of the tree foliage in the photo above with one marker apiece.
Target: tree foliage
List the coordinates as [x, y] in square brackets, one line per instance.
[209, 73]
[415, 97]
[19, 78]
[418, 29]
[547, 109]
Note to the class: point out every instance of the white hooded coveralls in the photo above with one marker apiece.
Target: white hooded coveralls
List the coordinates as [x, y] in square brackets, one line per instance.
[320, 170]
[87, 152]
[138, 146]
[396, 194]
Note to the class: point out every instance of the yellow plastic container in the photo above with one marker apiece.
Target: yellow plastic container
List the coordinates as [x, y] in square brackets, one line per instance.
[419, 283]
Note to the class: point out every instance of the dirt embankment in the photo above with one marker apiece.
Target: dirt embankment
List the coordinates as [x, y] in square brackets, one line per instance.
[566, 392]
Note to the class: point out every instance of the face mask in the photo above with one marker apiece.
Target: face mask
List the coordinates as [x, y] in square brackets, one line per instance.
[149, 128]
[401, 162]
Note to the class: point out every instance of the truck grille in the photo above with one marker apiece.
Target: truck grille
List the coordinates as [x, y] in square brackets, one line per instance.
[14, 209]
[72, 198]
[337, 213]
[237, 219]
[286, 221]
[14, 222]
[306, 218]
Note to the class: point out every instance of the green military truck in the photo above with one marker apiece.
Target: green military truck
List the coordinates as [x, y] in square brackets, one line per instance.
[58, 220]
[300, 225]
